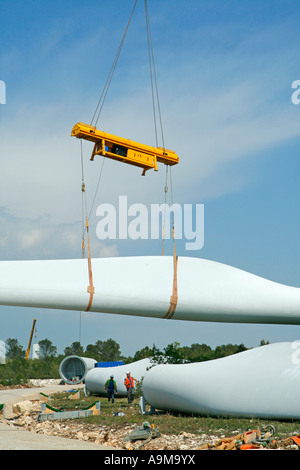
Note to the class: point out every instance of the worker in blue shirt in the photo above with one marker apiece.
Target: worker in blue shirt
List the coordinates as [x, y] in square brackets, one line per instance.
[111, 388]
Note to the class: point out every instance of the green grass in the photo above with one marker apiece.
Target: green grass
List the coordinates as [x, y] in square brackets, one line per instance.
[169, 422]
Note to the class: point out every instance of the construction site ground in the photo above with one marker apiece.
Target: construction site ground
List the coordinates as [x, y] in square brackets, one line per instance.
[21, 429]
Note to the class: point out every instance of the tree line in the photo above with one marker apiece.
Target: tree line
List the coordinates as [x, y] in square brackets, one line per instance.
[17, 369]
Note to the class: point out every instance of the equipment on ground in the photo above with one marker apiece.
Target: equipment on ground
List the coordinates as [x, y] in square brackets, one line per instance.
[73, 369]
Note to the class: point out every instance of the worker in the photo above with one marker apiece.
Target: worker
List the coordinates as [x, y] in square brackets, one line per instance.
[111, 388]
[129, 383]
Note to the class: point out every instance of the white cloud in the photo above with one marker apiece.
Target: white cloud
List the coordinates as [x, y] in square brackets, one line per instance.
[216, 111]
[209, 129]
[42, 238]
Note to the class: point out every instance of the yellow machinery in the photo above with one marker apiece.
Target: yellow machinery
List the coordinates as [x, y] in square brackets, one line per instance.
[124, 150]
[30, 339]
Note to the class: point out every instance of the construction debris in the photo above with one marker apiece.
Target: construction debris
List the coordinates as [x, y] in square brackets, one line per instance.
[145, 432]
[50, 413]
[253, 439]
[125, 436]
[22, 407]
[117, 436]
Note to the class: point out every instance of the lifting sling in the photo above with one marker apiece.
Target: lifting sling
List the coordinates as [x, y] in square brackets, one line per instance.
[130, 152]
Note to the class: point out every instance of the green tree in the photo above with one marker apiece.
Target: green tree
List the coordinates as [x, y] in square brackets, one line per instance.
[228, 349]
[109, 350]
[263, 342]
[14, 349]
[197, 352]
[47, 349]
[104, 351]
[170, 355]
[173, 353]
[92, 351]
[74, 350]
[144, 353]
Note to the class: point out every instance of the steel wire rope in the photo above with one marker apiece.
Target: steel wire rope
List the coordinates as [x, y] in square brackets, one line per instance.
[83, 215]
[174, 297]
[164, 216]
[83, 200]
[97, 187]
[83, 188]
[111, 72]
[86, 228]
[153, 82]
[103, 97]
[153, 76]
[172, 205]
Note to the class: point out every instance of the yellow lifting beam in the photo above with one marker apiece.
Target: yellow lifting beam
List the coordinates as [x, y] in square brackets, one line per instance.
[124, 150]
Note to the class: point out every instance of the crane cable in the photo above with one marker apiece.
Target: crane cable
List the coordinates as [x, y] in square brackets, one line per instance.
[153, 78]
[90, 287]
[164, 216]
[91, 290]
[174, 296]
[111, 72]
[85, 215]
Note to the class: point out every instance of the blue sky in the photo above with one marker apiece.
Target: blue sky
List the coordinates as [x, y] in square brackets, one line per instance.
[225, 71]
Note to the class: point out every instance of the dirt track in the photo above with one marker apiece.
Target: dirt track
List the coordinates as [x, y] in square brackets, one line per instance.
[17, 435]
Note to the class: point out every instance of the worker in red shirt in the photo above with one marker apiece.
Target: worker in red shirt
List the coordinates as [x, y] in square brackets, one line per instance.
[129, 383]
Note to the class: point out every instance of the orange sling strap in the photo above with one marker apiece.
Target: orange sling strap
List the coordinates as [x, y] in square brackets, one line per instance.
[90, 288]
[174, 296]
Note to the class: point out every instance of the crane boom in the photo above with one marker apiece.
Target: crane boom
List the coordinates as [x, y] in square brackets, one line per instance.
[124, 150]
[30, 339]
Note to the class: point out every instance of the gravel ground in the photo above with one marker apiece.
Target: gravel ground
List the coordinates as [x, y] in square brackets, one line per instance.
[117, 436]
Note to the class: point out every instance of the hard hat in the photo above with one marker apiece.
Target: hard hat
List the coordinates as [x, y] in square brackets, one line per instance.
[128, 372]
[111, 376]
